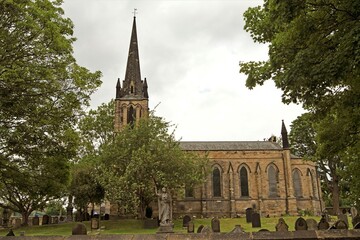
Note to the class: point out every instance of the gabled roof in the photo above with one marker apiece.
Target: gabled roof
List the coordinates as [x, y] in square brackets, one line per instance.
[229, 145]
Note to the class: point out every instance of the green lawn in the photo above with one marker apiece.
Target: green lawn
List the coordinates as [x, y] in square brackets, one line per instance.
[131, 226]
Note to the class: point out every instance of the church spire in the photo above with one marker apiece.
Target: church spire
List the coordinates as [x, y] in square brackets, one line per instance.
[284, 135]
[132, 84]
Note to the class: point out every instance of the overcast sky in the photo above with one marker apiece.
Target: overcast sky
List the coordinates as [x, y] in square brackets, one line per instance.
[189, 54]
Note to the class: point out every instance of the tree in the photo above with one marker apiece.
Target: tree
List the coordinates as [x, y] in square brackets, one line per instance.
[314, 59]
[42, 93]
[145, 156]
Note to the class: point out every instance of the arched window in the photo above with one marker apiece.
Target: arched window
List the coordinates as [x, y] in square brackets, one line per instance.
[216, 180]
[131, 115]
[313, 184]
[297, 183]
[244, 184]
[273, 181]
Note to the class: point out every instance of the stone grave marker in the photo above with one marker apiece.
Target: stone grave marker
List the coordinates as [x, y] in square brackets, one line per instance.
[340, 224]
[206, 230]
[106, 217]
[200, 228]
[17, 222]
[55, 220]
[190, 227]
[353, 212]
[215, 224]
[45, 220]
[312, 224]
[281, 226]
[186, 220]
[357, 226]
[255, 220]
[249, 212]
[300, 224]
[355, 220]
[79, 229]
[237, 229]
[95, 223]
[263, 230]
[35, 221]
[1, 221]
[344, 218]
[10, 233]
[323, 224]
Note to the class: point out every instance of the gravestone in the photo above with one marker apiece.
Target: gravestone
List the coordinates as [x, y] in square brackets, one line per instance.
[17, 222]
[355, 220]
[300, 224]
[54, 220]
[95, 223]
[249, 212]
[10, 233]
[148, 212]
[186, 220]
[200, 228]
[215, 224]
[79, 229]
[344, 218]
[312, 224]
[106, 217]
[256, 220]
[353, 212]
[323, 224]
[206, 230]
[35, 221]
[190, 227]
[263, 230]
[357, 226]
[237, 229]
[1, 221]
[45, 220]
[150, 223]
[340, 224]
[281, 226]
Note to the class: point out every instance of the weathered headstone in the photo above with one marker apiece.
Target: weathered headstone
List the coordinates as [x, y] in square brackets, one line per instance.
[206, 230]
[10, 233]
[323, 224]
[106, 216]
[17, 222]
[1, 221]
[312, 224]
[255, 220]
[200, 228]
[150, 223]
[344, 218]
[35, 221]
[300, 224]
[190, 227]
[79, 229]
[215, 225]
[355, 220]
[353, 212]
[95, 223]
[340, 224]
[148, 212]
[45, 220]
[281, 226]
[54, 220]
[237, 229]
[263, 230]
[186, 220]
[249, 212]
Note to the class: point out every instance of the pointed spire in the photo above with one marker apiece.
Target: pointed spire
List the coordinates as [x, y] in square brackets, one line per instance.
[118, 89]
[145, 89]
[284, 136]
[132, 75]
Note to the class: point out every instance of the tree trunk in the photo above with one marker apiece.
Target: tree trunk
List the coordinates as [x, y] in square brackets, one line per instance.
[25, 218]
[336, 194]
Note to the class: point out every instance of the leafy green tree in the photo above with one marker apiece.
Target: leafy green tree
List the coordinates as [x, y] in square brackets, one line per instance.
[143, 157]
[55, 207]
[42, 93]
[314, 59]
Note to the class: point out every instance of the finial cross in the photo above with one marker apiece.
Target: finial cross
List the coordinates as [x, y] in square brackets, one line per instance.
[135, 12]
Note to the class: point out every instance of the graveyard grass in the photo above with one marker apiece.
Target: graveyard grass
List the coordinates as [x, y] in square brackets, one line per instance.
[131, 226]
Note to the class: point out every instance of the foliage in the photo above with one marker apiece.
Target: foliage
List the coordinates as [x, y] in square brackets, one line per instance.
[55, 208]
[42, 92]
[145, 156]
[314, 59]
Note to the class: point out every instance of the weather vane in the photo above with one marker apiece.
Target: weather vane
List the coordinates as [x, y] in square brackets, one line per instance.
[135, 12]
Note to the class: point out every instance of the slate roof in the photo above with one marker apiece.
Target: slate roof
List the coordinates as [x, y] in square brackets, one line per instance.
[229, 145]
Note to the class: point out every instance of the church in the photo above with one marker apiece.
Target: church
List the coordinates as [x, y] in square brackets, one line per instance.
[261, 175]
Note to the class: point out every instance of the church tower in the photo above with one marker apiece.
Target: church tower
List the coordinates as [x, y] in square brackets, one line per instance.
[132, 98]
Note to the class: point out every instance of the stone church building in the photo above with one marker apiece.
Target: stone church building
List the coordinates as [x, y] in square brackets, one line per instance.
[260, 175]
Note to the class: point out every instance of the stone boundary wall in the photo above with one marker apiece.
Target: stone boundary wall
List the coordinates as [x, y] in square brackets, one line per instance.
[308, 235]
